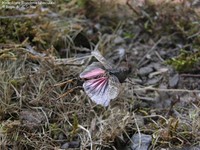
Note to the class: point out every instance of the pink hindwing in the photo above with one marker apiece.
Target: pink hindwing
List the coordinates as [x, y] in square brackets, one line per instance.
[92, 71]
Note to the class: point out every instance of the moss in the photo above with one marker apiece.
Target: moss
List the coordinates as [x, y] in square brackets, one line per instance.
[185, 61]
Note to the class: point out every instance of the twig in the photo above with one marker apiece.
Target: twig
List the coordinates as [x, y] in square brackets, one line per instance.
[88, 132]
[152, 116]
[5, 50]
[154, 46]
[167, 90]
[196, 34]
[73, 61]
[190, 75]
[19, 16]
[138, 129]
[131, 7]
[69, 91]
[65, 82]
[158, 55]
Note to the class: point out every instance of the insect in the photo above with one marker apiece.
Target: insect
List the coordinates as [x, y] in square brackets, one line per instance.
[103, 80]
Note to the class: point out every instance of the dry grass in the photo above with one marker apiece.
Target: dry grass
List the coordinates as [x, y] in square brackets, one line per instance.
[34, 117]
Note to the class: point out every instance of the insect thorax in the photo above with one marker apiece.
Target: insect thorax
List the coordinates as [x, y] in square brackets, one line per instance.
[120, 74]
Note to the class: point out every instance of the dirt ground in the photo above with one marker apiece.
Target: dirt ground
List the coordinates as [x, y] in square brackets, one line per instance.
[45, 46]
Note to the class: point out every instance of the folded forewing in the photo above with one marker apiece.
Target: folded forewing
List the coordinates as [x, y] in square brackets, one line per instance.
[102, 60]
[92, 71]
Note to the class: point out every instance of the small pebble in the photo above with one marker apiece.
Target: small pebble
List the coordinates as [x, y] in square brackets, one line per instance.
[145, 70]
